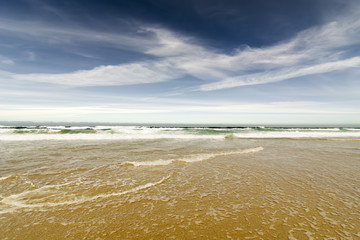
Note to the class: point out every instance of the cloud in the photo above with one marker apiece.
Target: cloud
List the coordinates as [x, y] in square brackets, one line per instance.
[280, 75]
[275, 107]
[6, 61]
[317, 50]
[23, 110]
[313, 51]
[126, 74]
[55, 113]
[57, 35]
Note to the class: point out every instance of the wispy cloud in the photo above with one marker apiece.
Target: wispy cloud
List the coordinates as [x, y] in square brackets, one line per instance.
[313, 51]
[280, 75]
[320, 49]
[55, 112]
[126, 74]
[6, 61]
[58, 35]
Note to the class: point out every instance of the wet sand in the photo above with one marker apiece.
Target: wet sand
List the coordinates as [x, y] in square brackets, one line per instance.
[195, 189]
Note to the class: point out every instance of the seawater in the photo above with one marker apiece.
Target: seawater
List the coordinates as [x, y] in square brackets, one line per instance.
[179, 183]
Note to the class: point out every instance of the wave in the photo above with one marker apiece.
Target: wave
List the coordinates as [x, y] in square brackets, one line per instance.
[38, 198]
[191, 158]
[37, 137]
[295, 134]
[148, 133]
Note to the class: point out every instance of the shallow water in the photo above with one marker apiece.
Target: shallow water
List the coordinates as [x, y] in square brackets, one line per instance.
[180, 188]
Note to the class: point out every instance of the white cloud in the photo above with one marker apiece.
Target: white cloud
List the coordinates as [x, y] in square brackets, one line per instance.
[54, 113]
[316, 50]
[51, 34]
[8, 62]
[275, 107]
[126, 74]
[280, 75]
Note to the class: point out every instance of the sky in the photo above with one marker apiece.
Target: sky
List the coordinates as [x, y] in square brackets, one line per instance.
[191, 61]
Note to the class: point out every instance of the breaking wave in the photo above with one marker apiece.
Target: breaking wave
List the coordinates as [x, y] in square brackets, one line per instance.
[9, 133]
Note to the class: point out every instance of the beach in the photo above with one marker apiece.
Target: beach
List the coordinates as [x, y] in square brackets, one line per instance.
[179, 183]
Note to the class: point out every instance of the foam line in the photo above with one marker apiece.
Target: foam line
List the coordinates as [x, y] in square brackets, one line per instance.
[4, 178]
[191, 158]
[17, 201]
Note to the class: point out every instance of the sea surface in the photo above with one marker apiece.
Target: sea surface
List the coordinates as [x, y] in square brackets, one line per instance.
[134, 182]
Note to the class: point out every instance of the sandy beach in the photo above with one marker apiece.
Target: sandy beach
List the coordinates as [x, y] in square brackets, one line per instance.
[252, 188]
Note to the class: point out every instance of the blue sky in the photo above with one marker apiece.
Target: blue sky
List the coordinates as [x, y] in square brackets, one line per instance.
[212, 62]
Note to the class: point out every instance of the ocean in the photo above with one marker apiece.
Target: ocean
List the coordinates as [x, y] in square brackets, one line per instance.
[143, 182]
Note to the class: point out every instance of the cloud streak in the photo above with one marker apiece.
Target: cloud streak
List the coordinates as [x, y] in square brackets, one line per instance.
[6, 61]
[118, 109]
[126, 74]
[320, 49]
[136, 39]
[280, 75]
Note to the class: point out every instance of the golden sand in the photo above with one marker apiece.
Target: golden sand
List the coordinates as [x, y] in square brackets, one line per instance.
[236, 189]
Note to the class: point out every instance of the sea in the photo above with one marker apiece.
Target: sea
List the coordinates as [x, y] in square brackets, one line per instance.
[179, 182]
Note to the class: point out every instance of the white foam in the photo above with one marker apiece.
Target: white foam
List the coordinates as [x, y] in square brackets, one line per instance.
[116, 133]
[17, 201]
[100, 136]
[6, 131]
[298, 134]
[144, 133]
[3, 178]
[191, 158]
[159, 162]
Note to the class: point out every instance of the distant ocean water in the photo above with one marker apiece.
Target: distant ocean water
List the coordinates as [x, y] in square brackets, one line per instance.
[133, 182]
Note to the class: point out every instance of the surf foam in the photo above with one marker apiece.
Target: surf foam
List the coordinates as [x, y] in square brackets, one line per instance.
[191, 158]
[22, 200]
[145, 133]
